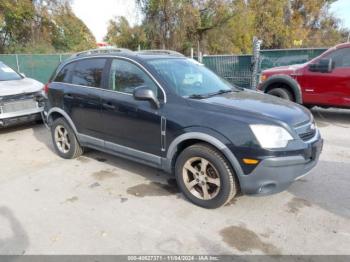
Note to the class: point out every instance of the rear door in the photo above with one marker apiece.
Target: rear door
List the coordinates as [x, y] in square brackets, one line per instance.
[81, 97]
[130, 126]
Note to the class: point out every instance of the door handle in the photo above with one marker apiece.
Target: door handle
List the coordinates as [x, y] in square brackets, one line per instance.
[108, 106]
[69, 96]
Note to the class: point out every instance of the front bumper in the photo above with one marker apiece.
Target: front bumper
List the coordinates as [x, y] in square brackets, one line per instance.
[276, 174]
[10, 119]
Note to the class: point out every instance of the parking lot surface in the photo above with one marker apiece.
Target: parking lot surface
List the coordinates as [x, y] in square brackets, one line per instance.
[101, 204]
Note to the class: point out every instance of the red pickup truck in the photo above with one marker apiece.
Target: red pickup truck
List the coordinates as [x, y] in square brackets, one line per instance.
[324, 81]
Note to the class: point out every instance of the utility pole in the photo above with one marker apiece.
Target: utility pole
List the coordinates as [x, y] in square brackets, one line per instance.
[349, 37]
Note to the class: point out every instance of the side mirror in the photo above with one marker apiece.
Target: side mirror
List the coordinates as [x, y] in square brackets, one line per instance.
[323, 66]
[146, 94]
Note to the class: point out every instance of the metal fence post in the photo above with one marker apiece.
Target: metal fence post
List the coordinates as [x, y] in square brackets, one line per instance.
[255, 62]
[17, 63]
[200, 57]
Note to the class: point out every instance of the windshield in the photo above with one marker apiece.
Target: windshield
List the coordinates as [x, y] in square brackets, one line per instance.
[7, 73]
[188, 78]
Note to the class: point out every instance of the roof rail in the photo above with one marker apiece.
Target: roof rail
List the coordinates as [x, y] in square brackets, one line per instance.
[159, 51]
[102, 51]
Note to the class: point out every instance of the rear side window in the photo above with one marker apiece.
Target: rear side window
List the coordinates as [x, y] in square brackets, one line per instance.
[88, 72]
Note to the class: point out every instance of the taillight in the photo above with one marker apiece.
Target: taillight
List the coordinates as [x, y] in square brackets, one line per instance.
[46, 89]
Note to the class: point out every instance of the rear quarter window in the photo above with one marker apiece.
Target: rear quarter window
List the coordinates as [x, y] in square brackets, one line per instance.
[63, 75]
[87, 72]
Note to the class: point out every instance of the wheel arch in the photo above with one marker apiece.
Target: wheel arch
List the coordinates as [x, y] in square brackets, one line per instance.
[188, 139]
[285, 80]
[56, 112]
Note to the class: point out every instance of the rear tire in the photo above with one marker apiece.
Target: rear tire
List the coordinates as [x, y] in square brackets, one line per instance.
[281, 93]
[205, 176]
[64, 140]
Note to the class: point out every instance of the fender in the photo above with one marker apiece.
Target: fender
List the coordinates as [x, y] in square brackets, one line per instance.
[65, 115]
[285, 79]
[208, 139]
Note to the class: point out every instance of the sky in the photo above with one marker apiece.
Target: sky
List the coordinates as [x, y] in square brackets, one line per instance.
[96, 14]
[341, 9]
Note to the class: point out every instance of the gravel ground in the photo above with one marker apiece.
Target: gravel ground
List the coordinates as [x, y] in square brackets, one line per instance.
[100, 204]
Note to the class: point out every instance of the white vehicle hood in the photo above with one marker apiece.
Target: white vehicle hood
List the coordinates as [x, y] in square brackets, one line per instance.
[22, 86]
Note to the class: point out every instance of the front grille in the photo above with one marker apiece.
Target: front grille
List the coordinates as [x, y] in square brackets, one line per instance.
[308, 135]
[16, 106]
[306, 131]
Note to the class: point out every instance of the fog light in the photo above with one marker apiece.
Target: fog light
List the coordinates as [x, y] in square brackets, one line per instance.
[250, 161]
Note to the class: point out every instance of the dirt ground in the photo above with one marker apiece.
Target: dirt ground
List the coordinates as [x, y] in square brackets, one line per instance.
[101, 204]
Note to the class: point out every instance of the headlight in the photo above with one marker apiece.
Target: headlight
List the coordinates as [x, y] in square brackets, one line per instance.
[262, 78]
[271, 136]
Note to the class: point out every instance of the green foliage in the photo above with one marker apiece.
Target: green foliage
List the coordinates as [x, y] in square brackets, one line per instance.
[41, 26]
[69, 32]
[121, 34]
[15, 22]
[228, 26]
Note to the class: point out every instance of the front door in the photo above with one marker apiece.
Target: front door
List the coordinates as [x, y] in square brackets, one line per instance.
[130, 127]
[333, 88]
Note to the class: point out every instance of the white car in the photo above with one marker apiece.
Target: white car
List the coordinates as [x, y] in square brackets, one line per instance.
[19, 97]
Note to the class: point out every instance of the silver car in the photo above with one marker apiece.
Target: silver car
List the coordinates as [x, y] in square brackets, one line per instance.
[19, 97]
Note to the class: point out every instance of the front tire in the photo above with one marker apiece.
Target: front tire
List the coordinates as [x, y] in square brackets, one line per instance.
[281, 93]
[64, 140]
[205, 177]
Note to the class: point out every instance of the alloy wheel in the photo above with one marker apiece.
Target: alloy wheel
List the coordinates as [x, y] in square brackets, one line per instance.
[201, 178]
[62, 139]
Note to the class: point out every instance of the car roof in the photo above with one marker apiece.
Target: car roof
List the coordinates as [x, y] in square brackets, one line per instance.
[120, 52]
[343, 45]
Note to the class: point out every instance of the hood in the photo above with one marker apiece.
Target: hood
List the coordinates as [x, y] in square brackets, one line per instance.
[289, 68]
[263, 105]
[22, 86]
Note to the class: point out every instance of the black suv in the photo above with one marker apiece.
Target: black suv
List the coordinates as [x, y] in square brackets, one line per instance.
[171, 112]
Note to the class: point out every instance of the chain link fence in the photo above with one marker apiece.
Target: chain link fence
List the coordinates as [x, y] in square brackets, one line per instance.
[237, 69]
[37, 66]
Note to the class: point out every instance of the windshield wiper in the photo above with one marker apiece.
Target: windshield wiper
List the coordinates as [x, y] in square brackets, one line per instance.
[203, 96]
[220, 92]
[197, 96]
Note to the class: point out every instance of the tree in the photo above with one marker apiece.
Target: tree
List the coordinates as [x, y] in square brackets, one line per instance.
[281, 23]
[15, 19]
[181, 24]
[121, 34]
[228, 26]
[41, 26]
[69, 33]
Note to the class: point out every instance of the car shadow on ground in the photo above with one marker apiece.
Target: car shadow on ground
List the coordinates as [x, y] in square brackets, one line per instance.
[157, 182]
[328, 117]
[17, 240]
[19, 127]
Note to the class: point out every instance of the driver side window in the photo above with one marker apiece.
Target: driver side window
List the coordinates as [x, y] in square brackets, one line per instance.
[341, 57]
[125, 76]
